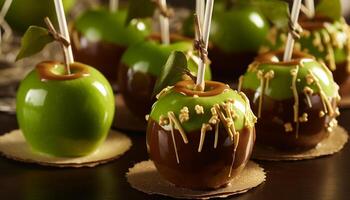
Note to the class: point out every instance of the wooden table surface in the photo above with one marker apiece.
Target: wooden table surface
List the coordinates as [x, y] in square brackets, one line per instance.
[326, 178]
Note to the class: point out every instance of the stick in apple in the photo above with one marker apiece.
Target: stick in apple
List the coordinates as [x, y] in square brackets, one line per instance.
[113, 5]
[293, 31]
[68, 53]
[200, 83]
[310, 5]
[164, 24]
[200, 10]
[3, 12]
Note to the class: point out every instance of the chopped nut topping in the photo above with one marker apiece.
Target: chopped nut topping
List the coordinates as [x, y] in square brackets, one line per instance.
[308, 90]
[184, 114]
[199, 109]
[309, 79]
[163, 120]
[321, 113]
[288, 127]
[303, 118]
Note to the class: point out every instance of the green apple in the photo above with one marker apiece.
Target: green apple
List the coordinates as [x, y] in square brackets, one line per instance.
[197, 134]
[24, 13]
[65, 115]
[326, 39]
[296, 101]
[142, 63]
[104, 36]
[236, 36]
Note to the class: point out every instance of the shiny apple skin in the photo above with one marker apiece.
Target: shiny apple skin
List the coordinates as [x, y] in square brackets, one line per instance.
[24, 13]
[65, 118]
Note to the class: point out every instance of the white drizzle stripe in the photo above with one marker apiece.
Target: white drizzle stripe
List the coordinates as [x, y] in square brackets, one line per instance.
[216, 135]
[173, 138]
[178, 126]
[294, 73]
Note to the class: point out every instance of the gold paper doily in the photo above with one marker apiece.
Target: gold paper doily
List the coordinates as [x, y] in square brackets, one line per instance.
[145, 177]
[330, 145]
[14, 146]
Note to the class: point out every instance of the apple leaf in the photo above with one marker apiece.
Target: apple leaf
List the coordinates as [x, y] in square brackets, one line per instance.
[172, 72]
[33, 41]
[140, 9]
[329, 8]
[275, 11]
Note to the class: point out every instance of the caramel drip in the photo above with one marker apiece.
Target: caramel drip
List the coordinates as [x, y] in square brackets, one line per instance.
[187, 87]
[223, 119]
[328, 109]
[308, 100]
[177, 126]
[45, 71]
[308, 92]
[294, 73]
[264, 84]
[234, 153]
[249, 114]
[326, 40]
[173, 138]
[262, 87]
[216, 138]
[268, 76]
[204, 129]
[240, 82]
[346, 30]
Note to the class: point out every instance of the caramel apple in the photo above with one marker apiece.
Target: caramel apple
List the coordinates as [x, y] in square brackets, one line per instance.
[65, 115]
[235, 37]
[200, 140]
[101, 37]
[326, 39]
[295, 101]
[24, 13]
[141, 65]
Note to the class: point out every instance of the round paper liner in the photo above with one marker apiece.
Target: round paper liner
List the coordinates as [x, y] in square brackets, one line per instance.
[344, 102]
[145, 177]
[330, 145]
[125, 120]
[14, 146]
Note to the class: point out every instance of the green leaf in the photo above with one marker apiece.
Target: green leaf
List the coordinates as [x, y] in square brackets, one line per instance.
[140, 9]
[172, 72]
[275, 11]
[33, 41]
[329, 8]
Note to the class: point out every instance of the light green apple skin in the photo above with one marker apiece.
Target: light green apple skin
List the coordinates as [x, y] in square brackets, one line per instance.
[24, 13]
[150, 56]
[174, 101]
[234, 30]
[279, 86]
[140, 67]
[65, 118]
[102, 25]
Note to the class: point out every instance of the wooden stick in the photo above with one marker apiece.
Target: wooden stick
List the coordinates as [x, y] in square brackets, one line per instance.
[200, 83]
[113, 5]
[3, 12]
[290, 40]
[164, 24]
[62, 22]
[310, 5]
[200, 11]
